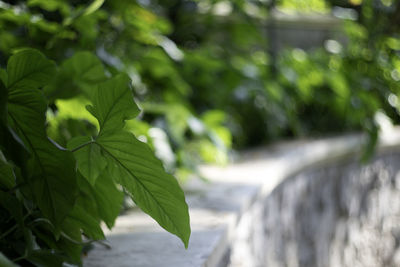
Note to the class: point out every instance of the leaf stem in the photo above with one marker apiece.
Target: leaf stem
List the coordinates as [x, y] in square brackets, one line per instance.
[82, 146]
[9, 231]
[20, 258]
[103, 243]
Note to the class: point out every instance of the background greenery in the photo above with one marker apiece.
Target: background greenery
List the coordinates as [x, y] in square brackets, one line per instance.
[202, 73]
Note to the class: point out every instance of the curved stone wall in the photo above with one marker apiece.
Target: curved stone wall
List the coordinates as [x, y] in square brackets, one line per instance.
[296, 204]
[337, 215]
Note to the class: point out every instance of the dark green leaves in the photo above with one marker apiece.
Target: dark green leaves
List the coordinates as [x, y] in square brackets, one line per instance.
[50, 196]
[52, 184]
[7, 177]
[79, 73]
[29, 70]
[130, 162]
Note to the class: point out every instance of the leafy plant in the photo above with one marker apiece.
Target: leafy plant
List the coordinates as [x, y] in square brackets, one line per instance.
[205, 81]
[52, 197]
[112, 37]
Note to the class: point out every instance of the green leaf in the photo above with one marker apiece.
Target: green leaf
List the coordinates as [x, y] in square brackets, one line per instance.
[103, 201]
[47, 258]
[13, 206]
[91, 163]
[109, 199]
[85, 221]
[112, 104]
[15, 210]
[53, 184]
[7, 176]
[69, 243]
[29, 69]
[131, 162]
[79, 73]
[85, 212]
[156, 192]
[3, 76]
[6, 262]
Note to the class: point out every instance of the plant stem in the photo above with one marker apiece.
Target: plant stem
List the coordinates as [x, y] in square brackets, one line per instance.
[9, 231]
[81, 146]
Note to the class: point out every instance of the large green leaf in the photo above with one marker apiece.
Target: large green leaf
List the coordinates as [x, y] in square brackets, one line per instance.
[131, 162]
[156, 192]
[53, 184]
[77, 74]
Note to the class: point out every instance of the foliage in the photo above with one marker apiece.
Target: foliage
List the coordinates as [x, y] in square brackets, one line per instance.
[50, 195]
[326, 90]
[128, 37]
[319, 6]
[204, 79]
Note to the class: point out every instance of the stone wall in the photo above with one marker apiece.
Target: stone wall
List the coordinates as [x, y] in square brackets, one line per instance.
[340, 214]
[294, 204]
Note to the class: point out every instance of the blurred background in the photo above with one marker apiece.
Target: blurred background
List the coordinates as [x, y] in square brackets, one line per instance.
[211, 76]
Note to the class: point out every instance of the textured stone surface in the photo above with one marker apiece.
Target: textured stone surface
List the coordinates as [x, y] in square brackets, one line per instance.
[344, 214]
[278, 207]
